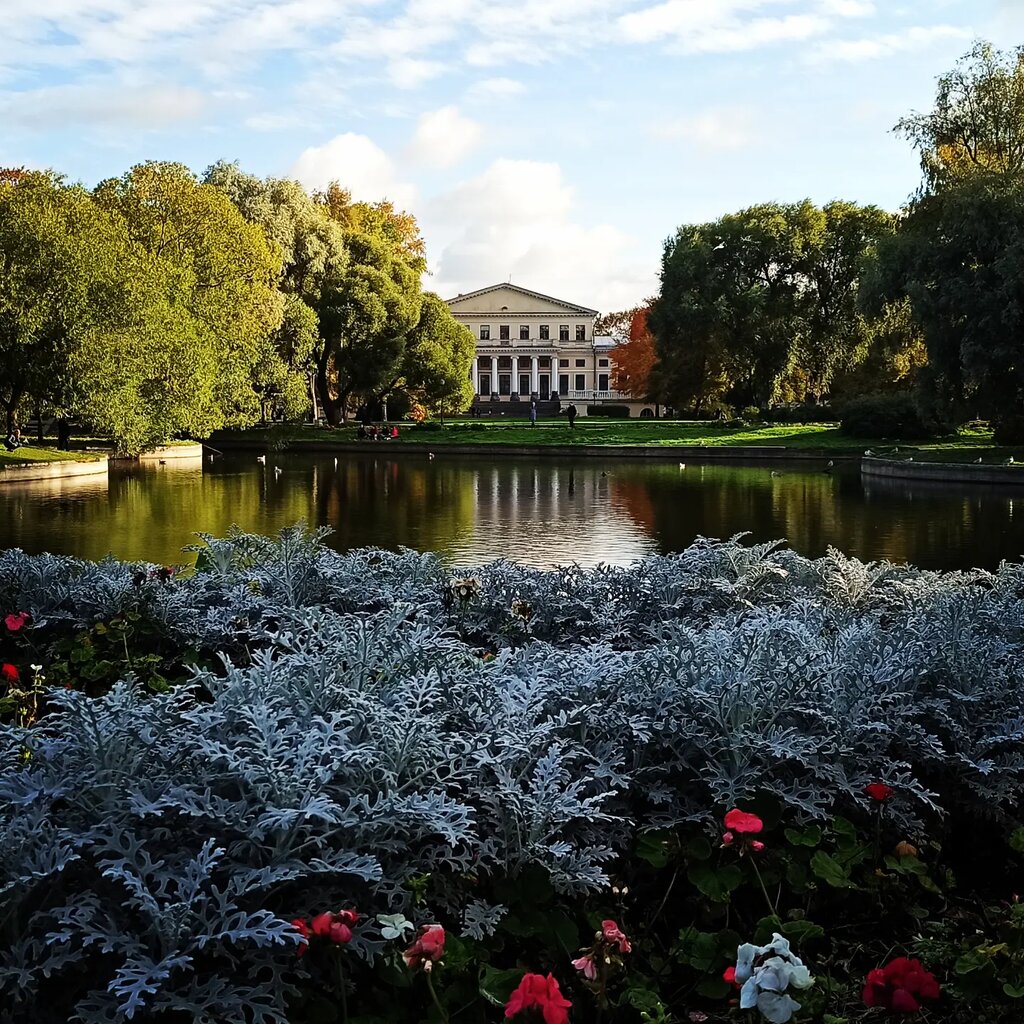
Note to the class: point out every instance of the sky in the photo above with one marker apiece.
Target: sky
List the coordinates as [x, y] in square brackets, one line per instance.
[553, 143]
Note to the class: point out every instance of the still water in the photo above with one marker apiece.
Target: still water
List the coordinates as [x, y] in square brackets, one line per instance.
[540, 512]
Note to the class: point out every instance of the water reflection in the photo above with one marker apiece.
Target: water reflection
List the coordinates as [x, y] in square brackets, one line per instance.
[535, 511]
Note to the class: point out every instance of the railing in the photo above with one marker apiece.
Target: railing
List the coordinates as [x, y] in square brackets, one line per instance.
[594, 396]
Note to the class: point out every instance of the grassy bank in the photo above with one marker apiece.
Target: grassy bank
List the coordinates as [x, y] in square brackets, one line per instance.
[819, 437]
[31, 454]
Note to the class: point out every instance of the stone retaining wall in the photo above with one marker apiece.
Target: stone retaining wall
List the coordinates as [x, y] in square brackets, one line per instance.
[51, 470]
[947, 472]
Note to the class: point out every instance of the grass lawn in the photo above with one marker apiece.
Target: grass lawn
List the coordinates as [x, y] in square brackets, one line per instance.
[30, 454]
[822, 437]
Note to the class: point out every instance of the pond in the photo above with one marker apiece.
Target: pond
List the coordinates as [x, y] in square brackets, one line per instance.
[540, 511]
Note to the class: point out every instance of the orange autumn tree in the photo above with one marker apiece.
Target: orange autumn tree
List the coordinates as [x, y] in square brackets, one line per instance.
[633, 360]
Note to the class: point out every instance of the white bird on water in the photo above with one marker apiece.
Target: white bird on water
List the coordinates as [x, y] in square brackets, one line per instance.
[682, 465]
[335, 461]
[775, 472]
[977, 461]
[430, 455]
[261, 458]
[277, 471]
[1009, 461]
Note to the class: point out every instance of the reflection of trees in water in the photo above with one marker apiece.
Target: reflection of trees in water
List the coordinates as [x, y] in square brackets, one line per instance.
[929, 527]
[538, 512]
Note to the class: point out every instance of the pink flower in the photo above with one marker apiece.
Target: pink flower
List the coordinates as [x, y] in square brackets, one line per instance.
[427, 949]
[543, 993]
[587, 966]
[728, 839]
[879, 792]
[302, 927]
[757, 846]
[614, 937]
[742, 822]
[335, 927]
[9, 673]
[15, 621]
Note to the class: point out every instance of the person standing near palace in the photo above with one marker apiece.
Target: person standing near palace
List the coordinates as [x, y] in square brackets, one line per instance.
[571, 413]
[533, 414]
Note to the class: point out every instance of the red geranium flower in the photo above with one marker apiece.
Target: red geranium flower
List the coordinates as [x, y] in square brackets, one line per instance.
[729, 975]
[9, 673]
[544, 994]
[900, 986]
[614, 937]
[427, 949]
[335, 927]
[15, 621]
[302, 927]
[879, 792]
[742, 822]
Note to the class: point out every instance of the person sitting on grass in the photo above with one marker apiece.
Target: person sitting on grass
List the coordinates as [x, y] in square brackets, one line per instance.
[362, 434]
[12, 442]
[394, 433]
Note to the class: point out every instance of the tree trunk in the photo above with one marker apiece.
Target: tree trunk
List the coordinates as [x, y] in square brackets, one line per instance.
[11, 408]
[39, 425]
[331, 407]
[63, 434]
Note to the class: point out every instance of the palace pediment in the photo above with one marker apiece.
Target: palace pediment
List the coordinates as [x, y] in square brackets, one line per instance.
[509, 299]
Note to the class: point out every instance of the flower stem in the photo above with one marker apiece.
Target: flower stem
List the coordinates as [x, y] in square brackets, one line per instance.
[760, 881]
[433, 995]
[341, 987]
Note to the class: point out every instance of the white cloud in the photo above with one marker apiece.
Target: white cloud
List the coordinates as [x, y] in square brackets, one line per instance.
[516, 219]
[714, 129]
[411, 73]
[359, 165]
[916, 38]
[694, 26]
[490, 89]
[443, 138]
[101, 104]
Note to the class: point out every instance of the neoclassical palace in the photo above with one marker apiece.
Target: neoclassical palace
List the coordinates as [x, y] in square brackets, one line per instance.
[532, 346]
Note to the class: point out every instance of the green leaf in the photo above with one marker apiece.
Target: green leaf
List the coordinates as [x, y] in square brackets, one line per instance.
[1017, 839]
[829, 870]
[496, 986]
[1013, 991]
[653, 847]
[697, 848]
[715, 884]
[701, 950]
[810, 836]
[802, 931]
[714, 988]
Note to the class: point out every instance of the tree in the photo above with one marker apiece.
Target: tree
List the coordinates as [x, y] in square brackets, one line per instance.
[634, 359]
[837, 252]
[365, 313]
[729, 313]
[438, 354]
[958, 255]
[220, 274]
[617, 324]
[977, 123]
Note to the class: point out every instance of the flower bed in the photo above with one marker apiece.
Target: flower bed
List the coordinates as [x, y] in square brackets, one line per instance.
[298, 786]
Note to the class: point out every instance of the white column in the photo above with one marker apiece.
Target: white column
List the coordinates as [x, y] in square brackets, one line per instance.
[474, 373]
[494, 374]
[515, 375]
[534, 374]
[554, 372]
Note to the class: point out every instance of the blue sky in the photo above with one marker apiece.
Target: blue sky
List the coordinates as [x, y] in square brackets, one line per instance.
[556, 142]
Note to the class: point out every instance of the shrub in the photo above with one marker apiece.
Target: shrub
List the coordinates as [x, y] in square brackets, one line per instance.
[611, 411]
[523, 759]
[750, 412]
[428, 425]
[887, 416]
[801, 414]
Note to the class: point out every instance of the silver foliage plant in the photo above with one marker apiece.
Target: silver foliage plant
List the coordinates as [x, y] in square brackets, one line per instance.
[154, 848]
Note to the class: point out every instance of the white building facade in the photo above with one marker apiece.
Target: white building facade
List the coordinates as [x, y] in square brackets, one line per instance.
[531, 346]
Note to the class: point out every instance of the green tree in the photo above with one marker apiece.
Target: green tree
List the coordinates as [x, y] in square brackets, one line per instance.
[435, 364]
[958, 255]
[220, 276]
[839, 250]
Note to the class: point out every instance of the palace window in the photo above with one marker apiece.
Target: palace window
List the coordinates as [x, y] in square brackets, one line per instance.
[581, 362]
[504, 362]
[485, 332]
[503, 332]
[581, 381]
[602, 382]
[602, 362]
[524, 332]
[563, 362]
[485, 383]
[581, 332]
[563, 383]
[563, 332]
[545, 332]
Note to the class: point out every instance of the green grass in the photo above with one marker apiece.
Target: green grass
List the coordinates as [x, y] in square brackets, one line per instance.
[818, 437]
[30, 454]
